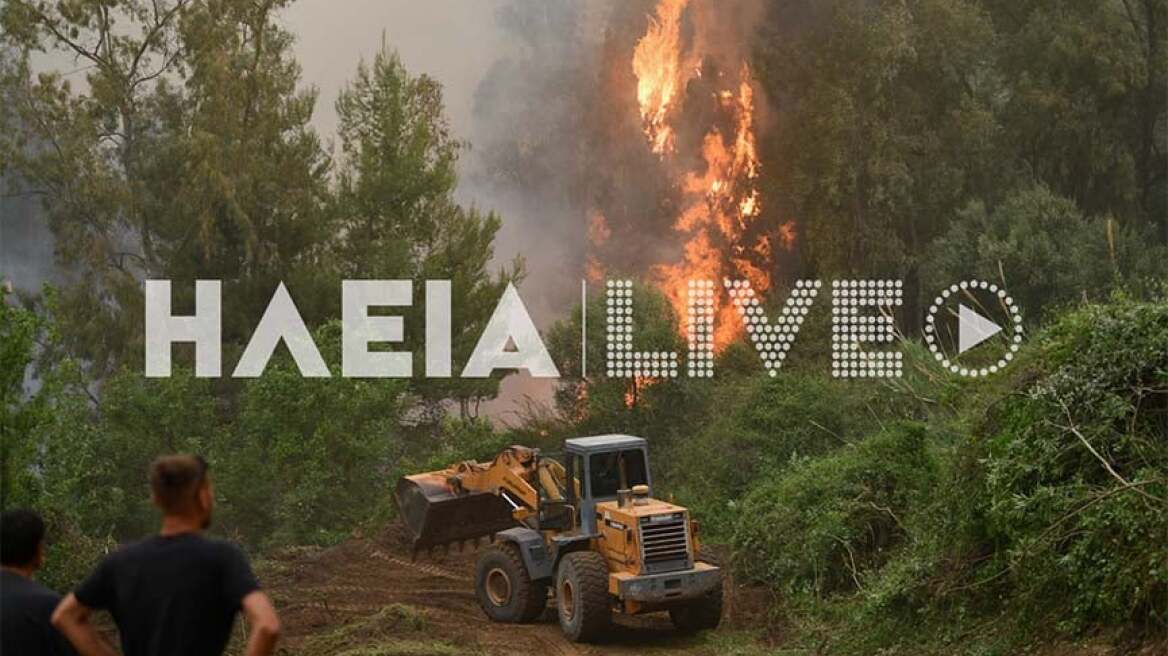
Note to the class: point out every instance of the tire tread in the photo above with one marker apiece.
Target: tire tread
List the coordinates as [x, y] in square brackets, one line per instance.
[532, 595]
[591, 571]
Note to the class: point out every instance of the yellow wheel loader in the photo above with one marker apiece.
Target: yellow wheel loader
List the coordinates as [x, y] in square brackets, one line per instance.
[587, 530]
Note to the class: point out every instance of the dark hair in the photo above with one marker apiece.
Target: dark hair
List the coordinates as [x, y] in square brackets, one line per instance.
[175, 481]
[21, 532]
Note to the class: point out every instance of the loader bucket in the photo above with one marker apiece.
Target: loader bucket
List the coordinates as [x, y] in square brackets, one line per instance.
[436, 516]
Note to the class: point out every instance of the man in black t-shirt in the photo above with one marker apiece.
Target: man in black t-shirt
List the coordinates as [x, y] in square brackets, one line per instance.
[25, 605]
[176, 593]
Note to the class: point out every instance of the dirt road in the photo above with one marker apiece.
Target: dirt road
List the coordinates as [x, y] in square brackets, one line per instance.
[368, 597]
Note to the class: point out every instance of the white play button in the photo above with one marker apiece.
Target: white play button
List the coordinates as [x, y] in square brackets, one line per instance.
[973, 329]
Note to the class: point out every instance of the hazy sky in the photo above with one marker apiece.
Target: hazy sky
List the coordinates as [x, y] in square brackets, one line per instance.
[453, 41]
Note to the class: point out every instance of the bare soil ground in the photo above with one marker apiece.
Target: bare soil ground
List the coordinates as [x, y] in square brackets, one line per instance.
[367, 597]
[335, 600]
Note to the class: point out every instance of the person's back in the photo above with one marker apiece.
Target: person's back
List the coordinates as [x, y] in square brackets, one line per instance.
[177, 593]
[25, 605]
[174, 594]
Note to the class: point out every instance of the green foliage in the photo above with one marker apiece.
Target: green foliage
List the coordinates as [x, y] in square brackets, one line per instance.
[140, 419]
[822, 525]
[890, 127]
[70, 553]
[397, 218]
[932, 140]
[1084, 108]
[398, 167]
[1077, 468]
[901, 118]
[324, 445]
[884, 534]
[766, 424]
[188, 155]
[1026, 527]
[1048, 251]
[19, 329]
[663, 410]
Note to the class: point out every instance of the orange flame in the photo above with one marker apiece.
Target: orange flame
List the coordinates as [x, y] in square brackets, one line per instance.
[657, 65]
[598, 234]
[722, 201]
[633, 392]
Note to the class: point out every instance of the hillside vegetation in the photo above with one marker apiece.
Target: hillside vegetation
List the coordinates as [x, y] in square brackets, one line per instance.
[928, 141]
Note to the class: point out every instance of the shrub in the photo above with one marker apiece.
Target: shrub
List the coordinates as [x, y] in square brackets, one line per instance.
[306, 459]
[1077, 469]
[1054, 253]
[823, 524]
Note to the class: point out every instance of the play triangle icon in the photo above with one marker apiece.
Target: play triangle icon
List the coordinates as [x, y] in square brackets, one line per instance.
[973, 329]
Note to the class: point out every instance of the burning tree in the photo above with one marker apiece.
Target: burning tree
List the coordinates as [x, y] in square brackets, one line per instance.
[696, 99]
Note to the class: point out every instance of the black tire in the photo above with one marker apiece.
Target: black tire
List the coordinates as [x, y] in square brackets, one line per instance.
[702, 613]
[582, 596]
[504, 587]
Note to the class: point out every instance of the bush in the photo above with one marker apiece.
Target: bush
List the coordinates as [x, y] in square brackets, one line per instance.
[1053, 252]
[306, 460]
[823, 524]
[762, 423]
[765, 423]
[1077, 469]
[1029, 533]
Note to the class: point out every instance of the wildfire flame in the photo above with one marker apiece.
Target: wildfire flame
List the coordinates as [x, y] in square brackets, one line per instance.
[721, 201]
[657, 65]
[598, 234]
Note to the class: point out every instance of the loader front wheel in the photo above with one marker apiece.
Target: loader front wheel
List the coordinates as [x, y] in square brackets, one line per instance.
[504, 587]
[582, 595]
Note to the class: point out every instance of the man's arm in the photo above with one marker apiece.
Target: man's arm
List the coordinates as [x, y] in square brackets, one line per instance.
[72, 619]
[265, 625]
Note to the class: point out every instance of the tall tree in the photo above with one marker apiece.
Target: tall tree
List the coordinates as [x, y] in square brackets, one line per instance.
[886, 126]
[397, 217]
[896, 116]
[186, 154]
[1086, 101]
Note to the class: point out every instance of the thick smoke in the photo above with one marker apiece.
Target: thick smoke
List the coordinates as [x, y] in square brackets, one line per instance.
[544, 91]
[530, 142]
[559, 141]
[26, 243]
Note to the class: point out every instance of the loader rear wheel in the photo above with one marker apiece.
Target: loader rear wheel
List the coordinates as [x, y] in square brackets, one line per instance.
[705, 612]
[504, 587]
[582, 595]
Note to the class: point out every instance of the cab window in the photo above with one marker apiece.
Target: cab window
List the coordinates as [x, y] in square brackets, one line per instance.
[616, 470]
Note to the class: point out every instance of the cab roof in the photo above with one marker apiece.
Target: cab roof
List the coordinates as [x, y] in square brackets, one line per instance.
[601, 443]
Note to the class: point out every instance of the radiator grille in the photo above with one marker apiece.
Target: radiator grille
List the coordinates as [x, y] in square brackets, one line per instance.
[665, 544]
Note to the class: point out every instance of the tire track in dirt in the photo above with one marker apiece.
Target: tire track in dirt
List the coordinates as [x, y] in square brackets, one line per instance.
[421, 567]
[551, 646]
[320, 590]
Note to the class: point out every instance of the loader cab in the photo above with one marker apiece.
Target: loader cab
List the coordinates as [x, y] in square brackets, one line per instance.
[602, 465]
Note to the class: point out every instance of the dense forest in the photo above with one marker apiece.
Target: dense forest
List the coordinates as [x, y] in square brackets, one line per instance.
[1024, 141]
